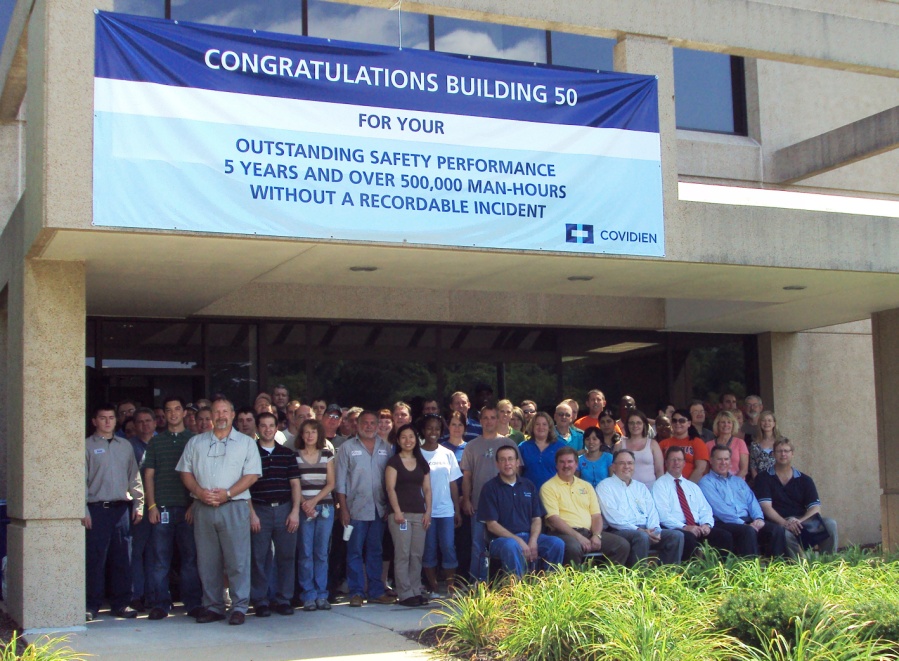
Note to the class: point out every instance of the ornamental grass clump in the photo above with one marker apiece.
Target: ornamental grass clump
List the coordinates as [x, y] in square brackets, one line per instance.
[43, 649]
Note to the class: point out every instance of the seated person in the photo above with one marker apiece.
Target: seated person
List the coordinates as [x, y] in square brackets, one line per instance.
[573, 514]
[789, 498]
[632, 514]
[682, 506]
[737, 511]
[511, 509]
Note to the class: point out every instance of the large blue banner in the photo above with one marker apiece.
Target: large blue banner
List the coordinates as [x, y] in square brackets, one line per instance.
[212, 129]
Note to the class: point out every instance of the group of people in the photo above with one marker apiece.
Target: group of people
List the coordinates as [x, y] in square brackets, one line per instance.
[284, 505]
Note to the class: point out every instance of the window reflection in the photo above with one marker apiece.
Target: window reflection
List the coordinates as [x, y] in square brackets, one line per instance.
[367, 24]
[155, 8]
[578, 50]
[704, 91]
[454, 35]
[284, 16]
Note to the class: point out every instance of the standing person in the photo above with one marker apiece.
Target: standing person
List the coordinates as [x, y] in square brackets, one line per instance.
[275, 500]
[445, 513]
[455, 443]
[361, 463]
[695, 450]
[459, 402]
[650, 465]
[761, 452]
[516, 422]
[538, 454]
[504, 427]
[596, 403]
[663, 428]
[385, 423]
[565, 432]
[115, 499]
[141, 550]
[754, 408]
[318, 475]
[609, 429]
[319, 406]
[280, 398]
[697, 420]
[408, 482]
[169, 512]
[724, 427]
[594, 464]
[528, 409]
[478, 466]
[218, 468]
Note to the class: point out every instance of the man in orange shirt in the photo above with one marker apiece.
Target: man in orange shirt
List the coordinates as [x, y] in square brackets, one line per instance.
[596, 402]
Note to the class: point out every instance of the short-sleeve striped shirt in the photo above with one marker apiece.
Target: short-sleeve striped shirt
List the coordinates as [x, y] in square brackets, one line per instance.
[314, 476]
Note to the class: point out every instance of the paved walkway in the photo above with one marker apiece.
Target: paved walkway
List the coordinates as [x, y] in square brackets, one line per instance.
[370, 633]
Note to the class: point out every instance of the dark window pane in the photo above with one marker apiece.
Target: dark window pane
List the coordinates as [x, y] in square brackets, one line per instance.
[367, 24]
[285, 348]
[578, 50]
[155, 8]
[284, 16]
[149, 345]
[372, 384]
[231, 369]
[703, 91]
[454, 35]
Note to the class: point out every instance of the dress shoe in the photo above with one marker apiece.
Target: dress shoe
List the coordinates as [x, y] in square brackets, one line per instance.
[385, 599]
[90, 616]
[157, 614]
[262, 610]
[322, 604]
[238, 618]
[138, 605]
[411, 602]
[210, 616]
[196, 612]
[125, 611]
[284, 609]
[356, 601]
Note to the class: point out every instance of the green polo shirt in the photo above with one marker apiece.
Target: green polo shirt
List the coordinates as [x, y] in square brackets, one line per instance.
[162, 455]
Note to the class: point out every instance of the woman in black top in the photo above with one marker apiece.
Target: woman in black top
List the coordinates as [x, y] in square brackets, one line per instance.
[409, 492]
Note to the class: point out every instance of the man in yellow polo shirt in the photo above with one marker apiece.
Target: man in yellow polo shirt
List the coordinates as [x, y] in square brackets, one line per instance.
[573, 514]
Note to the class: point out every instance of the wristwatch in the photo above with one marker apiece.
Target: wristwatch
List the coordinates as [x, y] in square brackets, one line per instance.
[228, 494]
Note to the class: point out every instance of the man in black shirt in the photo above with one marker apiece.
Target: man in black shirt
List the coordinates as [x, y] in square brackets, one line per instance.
[275, 501]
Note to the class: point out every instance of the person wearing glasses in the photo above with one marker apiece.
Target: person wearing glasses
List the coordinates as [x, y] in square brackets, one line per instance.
[218, 468]
[565, 429]
[684, 435]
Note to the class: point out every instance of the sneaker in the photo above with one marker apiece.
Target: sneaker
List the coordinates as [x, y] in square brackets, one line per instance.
[356, 601]
[385, 599]
[284, 609]
[262, 610]
[126, 612]
[309, 605]
[157, 614]
[322, 604]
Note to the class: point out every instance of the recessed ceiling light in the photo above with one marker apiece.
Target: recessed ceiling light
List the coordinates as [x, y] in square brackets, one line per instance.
[622, 347]
[580, 278]
[794, 287]
[364, 269]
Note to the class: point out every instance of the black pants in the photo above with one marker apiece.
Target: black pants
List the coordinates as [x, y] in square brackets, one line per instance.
[747, 541]
[718, 538]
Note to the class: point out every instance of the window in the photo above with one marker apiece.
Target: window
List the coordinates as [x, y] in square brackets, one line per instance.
[154, 8]
[709, 92]
[285, 16]
[367, 24]
[454, 35]
[578, 50]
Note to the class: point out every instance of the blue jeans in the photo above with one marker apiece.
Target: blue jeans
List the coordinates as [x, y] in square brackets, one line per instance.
[141, 560]
[441, 533]
[480, 567]
[163, 537]
[366, 536]
[108, 538]
[313, 544]
[273, 529]
[550, 549]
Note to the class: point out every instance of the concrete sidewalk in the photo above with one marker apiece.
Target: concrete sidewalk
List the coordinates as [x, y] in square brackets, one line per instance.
[370, 633]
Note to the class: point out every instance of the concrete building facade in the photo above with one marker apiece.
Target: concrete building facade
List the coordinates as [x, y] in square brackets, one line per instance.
[818, 288]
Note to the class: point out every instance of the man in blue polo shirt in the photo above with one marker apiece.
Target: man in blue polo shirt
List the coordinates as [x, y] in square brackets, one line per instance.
[510, 507]
[789, 498]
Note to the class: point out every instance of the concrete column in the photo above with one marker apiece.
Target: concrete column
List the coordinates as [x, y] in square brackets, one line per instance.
[45, 449]
[655, 57]
[885, 340]
[821, 386]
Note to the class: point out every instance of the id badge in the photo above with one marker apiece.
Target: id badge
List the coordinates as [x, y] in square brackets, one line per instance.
[163, 517]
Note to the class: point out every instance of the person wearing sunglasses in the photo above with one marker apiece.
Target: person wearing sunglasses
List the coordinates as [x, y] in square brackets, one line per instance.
[684, 435]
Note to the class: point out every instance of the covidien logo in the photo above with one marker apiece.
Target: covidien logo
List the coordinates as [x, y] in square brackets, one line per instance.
[578, 233]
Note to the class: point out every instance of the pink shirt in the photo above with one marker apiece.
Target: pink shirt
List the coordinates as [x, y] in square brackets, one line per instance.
[737, 447]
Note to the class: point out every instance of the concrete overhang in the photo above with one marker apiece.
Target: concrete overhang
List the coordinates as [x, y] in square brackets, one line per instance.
[167, 275]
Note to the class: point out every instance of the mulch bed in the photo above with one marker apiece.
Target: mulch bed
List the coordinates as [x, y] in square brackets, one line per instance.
[8, 626]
